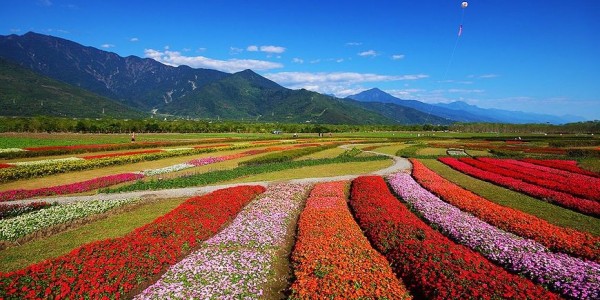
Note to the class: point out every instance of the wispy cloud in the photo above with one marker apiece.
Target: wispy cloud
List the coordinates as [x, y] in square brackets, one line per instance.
[134, 39]
[175, 58]
[267, 49]
[369, 53]
[235, 50]
[297, 60]
[353, 44]
[484, 76]
[398, 56]
[107, 46]
[339, 83]
[45, 3]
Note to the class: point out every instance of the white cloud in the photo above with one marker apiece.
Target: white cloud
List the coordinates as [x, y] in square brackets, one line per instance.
[353, 44]
[235, 51]
[272, 49]
[466, 91]
[398, 56]
[45, 2]
[175, 58]
[371, 53]
[186, 49]
[267, 49]
[339, 83]
[107, 46]
[297, 60]
[315, 61]
[134, 39]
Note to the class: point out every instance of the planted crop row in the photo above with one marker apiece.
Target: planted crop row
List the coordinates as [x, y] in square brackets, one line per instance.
[571, 277]
[238, 261]
[113, 268]
[25, 224]
[13, 210]
[332, 259]
[567, 165]
[554, 237]
[288, 155]
[430, 264]
[588, 207]
[225, 175]
[575, 184]
[24, 172]
[72, 188]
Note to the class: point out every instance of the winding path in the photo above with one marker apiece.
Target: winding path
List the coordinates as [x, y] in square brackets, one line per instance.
[400, 164]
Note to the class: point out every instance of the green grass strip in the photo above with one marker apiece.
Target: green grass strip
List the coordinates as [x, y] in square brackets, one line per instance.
[543, 210]
[287, 155]
[226, 175]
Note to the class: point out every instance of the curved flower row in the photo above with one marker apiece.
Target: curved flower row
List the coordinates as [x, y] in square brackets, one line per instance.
[2, 166]
[430, 264]
[572, 277]
[236, 262]
[557, 170]
[566, 165]
[554, 237]
[72, 188]
[13, 210]
[332, 258]
[20, 226]
[588, 207]
[45, 161]
[576, 185]
[113, 268]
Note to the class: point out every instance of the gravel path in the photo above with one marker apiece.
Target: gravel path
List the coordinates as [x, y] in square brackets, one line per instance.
[400, 164]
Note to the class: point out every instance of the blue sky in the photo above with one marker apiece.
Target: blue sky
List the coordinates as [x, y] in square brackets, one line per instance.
[536, 56]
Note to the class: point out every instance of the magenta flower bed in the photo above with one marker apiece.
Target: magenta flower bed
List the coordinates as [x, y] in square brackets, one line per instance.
[77, 187]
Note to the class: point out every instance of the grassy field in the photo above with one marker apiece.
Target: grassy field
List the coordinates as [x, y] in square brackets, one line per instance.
[354, 168]
[549, 212]
[62, 243]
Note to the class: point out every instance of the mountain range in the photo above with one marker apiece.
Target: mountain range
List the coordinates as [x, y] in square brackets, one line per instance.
[133, 86]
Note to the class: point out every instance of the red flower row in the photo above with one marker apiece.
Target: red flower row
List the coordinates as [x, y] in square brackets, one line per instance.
[433, 266]
[588, 207]
[575, 184]
[2, 166]
[113, 268]
[554, 237]
[567, 165]
[77, 187]
[332, 258]
[91, 146]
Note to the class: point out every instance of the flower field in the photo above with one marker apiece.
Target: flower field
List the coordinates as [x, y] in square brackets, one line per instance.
[554, 237]
[504, 177]
[409, 234]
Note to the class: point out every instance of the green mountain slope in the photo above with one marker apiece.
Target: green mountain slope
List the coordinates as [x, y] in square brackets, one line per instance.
[25, 93]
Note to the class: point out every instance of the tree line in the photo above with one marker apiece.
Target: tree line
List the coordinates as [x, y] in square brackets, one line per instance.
[55, 124]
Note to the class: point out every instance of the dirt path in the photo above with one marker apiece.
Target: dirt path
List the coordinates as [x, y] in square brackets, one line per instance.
[400, 164]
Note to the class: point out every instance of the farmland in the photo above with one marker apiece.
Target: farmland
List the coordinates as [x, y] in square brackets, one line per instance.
[387, 215]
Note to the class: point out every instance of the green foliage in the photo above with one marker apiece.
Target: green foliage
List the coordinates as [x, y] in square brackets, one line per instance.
[350, 153]
[226, 175]
[284, 156]
[25, 93]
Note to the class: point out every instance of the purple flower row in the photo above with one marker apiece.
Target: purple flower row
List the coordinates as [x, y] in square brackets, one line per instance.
[572, 277]
[237, 262]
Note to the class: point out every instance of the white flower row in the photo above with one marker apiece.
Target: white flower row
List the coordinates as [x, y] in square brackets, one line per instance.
[46, 161]
[169, 169]
[6, 150]
[20, 226]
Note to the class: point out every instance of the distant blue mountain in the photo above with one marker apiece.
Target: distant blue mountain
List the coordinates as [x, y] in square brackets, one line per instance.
[507, 116]
[377, 95]
[463, 112]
